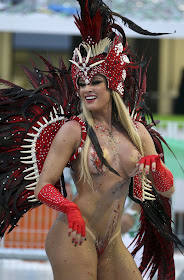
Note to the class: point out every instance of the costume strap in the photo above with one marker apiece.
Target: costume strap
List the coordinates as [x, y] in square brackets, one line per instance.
[83, 137]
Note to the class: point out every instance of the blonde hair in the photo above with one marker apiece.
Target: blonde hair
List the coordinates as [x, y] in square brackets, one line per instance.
[124, 119]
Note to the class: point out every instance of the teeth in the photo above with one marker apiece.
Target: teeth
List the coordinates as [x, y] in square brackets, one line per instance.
[90, 97]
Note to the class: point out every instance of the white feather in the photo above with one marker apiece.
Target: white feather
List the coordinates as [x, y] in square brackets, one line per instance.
[40, 124]
[55, 112]
[31, 185]
[31, 134]
[96, 63]
[79, 55]
[32, 178]
[29, 140]
[33, 200]
[26, 152]
[36, 128]
[88, 56]
[28, 162]
[28, 157]
[28, 146]
[61, 109]
[28, 169]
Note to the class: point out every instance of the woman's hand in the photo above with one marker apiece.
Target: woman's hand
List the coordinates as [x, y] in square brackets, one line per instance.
[162, 177]
[148, 163]
[51, 197]
[76, 224]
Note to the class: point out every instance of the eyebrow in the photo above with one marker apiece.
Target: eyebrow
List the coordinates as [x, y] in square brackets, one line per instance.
[98, 78]
[80, 80]
[95, 78]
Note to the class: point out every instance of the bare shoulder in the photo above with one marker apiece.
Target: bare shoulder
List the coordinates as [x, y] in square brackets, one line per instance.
[143, 133]
[70, 133]
[72, 127]
[147, 141]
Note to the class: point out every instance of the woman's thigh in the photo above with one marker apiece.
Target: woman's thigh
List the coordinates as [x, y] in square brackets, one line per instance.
[69, 262]
[116, 263]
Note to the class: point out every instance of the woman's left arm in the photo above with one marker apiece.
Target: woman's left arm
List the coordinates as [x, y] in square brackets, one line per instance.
[153, 166]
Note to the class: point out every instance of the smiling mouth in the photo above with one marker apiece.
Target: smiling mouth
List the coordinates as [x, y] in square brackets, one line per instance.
[90, 98]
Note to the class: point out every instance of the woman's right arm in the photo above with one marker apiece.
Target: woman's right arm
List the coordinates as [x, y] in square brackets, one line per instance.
[65, 143]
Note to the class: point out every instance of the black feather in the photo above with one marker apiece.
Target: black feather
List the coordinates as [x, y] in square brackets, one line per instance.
[132, 25]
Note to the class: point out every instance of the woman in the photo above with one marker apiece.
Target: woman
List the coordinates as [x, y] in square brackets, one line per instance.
[117, 157]
[101, 200]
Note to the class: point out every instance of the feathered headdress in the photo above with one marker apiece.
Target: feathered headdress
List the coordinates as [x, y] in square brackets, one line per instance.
[102, 50]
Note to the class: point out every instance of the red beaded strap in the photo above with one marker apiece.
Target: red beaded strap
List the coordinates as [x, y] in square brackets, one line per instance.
[83, 136]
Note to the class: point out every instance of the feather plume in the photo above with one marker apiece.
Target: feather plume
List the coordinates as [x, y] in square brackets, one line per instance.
[20, 110]
[94, 21]
[132, 25]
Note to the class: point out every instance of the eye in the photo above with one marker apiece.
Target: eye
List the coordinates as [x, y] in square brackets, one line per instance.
[81, 83]
[96, 82]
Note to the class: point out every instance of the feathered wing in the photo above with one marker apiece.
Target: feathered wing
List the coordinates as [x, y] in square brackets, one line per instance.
[155, 234]
[29, 120]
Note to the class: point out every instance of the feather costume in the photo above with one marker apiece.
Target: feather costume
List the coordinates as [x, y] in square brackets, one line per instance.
[29, 120]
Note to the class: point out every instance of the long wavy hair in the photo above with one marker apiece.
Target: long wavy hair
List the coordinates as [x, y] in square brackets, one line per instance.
[120, 112]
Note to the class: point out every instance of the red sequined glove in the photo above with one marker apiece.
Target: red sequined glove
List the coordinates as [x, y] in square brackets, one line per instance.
[163, 178]
[50, 196]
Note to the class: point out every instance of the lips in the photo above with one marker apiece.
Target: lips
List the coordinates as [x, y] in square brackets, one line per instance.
[90, 98]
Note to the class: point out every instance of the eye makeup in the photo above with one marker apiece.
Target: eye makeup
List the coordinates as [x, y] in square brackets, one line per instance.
[94, 82]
